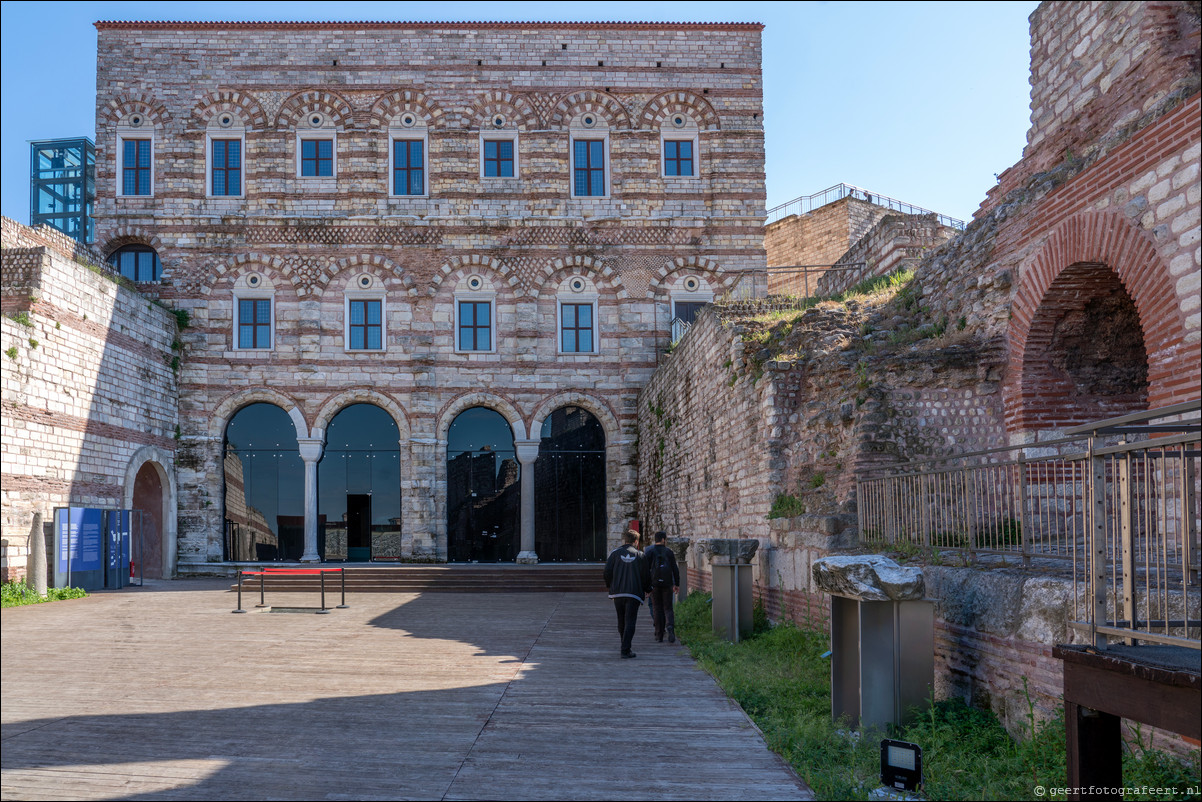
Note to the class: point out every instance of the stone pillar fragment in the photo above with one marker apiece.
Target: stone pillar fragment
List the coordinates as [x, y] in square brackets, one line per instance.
[527, 453]
[35, 567]
[310, 452]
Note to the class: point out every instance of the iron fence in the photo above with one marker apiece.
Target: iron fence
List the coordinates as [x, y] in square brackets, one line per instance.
[1121, 515]
[808, 203]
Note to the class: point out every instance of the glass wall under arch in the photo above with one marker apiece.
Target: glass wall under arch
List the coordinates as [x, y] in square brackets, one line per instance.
[569, 488]
[264, 486]
[483, 488]
[359, 487]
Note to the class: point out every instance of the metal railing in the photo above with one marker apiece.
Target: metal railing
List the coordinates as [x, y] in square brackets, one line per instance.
[808, 203]
[803, 280]
[1120, 515]
[679, 329]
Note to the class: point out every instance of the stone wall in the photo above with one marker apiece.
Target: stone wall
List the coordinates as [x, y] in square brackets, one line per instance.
[311, 241]
[820, 237]
[896, 242]
[88, 384]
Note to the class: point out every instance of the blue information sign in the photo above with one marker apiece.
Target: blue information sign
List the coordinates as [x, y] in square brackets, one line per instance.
[80, 540]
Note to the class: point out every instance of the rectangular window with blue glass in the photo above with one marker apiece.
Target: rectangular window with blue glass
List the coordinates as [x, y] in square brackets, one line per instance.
[366, 327]
[227, 167]
[475, 325]
[317, 158]
[135, 166]
[576, 328]
[498, 158]
[678, 157]
[408, 167]
[588, 161]
[254, 323]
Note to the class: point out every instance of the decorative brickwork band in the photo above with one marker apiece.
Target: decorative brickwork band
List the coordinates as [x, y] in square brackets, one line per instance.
[322, 101]
[392, 105]
[601, 103]
[118, 108]
[245, 107]
[665, 104]
[517, 110]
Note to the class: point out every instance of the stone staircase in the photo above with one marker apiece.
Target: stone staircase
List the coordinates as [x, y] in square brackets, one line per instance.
[453, 578]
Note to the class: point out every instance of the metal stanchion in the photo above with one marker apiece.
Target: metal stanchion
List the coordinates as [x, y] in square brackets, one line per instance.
[342, 574]
[239, 610]
[322, 575]
[262, 576]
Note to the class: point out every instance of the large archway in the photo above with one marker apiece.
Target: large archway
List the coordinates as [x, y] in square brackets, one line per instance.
[264, 486]
[483, 492]
[359, 487]
[569, 488]
[1085, 357]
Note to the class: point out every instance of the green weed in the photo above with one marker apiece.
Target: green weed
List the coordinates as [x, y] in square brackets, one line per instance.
[786, 505]
[15, 594]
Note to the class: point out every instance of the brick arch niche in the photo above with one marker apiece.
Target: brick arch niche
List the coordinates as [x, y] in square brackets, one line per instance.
[1096, 329]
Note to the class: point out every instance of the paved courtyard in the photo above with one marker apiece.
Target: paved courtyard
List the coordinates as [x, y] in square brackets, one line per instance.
[162, 693]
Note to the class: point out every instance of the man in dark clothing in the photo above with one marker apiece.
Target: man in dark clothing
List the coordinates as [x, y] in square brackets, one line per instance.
[628, 580]
[665, 582]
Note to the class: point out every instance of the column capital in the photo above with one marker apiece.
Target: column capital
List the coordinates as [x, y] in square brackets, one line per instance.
[526, 450]
[310, 448]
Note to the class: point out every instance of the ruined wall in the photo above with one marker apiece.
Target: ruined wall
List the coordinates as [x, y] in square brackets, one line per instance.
[819, 237]
[88, 384]
[896, 242]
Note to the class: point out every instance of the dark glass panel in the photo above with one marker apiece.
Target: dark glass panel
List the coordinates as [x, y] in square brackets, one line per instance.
[264, 486]
[483, 491]
[569, 488]
[359, 486]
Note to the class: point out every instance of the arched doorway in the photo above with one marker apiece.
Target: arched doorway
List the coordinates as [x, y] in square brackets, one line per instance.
[359, 487]
[148, 501]
[569, 488]
[264, 486]
[1085, 357]
[483, 493]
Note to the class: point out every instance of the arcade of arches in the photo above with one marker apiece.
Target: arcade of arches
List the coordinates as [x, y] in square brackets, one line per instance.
[506, 500]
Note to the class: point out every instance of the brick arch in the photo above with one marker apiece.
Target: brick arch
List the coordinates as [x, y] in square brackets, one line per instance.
[1097, 239]
[214, 103]
[235, 266]
[469, 264]
[380, 266]
[665, 104]
[293, 110]
[228, 407]
[515, 107]
[497, 403]
[130, 235]
[596, 406]
[582, 100]
[361, 395]
[388, 107]
[119, 106]
[578, 265]
[719, 280]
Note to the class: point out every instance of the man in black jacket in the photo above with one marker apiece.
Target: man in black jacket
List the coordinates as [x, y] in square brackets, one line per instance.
[665, 582]
[628, 580]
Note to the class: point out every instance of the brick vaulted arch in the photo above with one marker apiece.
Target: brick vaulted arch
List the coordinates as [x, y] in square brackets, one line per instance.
[660, 107]
[1103, 245]
[293, 110]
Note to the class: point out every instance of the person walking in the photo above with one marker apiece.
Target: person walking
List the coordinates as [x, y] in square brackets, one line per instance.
[665, 583]
[628, 580]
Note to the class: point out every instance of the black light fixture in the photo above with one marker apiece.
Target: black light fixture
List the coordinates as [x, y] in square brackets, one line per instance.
[901, 765]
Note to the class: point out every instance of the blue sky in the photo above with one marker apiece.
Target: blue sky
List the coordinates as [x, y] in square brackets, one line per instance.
[923, 102]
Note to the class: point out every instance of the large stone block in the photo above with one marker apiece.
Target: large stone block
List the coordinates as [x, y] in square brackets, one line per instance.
[868, 578]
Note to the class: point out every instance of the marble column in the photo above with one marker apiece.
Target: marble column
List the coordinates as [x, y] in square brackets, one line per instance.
[310, 452]
[527, 453]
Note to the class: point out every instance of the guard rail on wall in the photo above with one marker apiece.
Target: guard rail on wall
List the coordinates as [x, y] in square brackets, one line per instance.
[679, 329]
[1115, 503]
[808, 203]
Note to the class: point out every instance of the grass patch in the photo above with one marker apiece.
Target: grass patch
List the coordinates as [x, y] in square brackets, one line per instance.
[16, 594]
[781, 680]
[786, 505]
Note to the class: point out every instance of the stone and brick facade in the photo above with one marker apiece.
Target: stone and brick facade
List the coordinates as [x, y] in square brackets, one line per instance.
[528, 243]
[89, 393]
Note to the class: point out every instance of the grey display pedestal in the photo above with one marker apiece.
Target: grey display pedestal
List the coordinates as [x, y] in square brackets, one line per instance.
[882, 659]
[733, 601]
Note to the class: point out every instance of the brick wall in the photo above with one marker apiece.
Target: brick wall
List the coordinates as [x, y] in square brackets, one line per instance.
[820, 237]
[895, 242]
[87, 384]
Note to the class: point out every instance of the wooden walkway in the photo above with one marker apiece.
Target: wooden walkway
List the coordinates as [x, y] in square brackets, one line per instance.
[162, 693]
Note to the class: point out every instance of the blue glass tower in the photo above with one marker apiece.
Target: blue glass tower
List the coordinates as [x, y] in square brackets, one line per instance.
[62, 185]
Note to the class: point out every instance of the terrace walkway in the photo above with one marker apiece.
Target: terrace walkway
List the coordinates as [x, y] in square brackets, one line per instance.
[162, 693]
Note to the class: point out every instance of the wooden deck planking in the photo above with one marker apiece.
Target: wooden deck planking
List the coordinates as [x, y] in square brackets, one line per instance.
[163, 693]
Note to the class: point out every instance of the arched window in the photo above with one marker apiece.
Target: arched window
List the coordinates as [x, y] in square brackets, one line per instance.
[483, 494]
[569, 488]
[359, 487]
[264, 486]
[137, 263]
